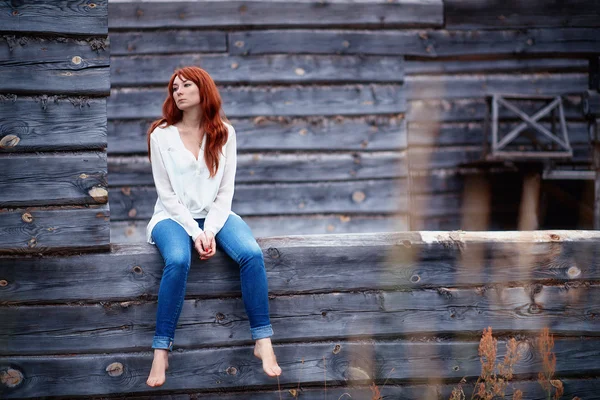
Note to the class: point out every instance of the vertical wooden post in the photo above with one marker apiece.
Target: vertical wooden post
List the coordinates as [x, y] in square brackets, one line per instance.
[593, 127]
[529, 208]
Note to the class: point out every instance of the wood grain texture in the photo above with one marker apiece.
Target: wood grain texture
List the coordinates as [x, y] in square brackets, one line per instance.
[77, 17]
[389, 261]
[50, 123]
[272, 101]
[37, 230]
[506, 64]
[215, 369]
[276, 168]
[53, 179]
[369, 133]
[424, 43]
[166, 42]
[368, 197]
[54, 66]
[271, 69]
[135, 231]
[261, 13]
[129, 326]
[495, 14]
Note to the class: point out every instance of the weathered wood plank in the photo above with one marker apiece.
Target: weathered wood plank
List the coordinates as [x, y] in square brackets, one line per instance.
[377, 133]
[591, 104]
[49, 65]
[421, 87]
[60, 17]
[368, 197]
[471, 110]
[165, 42]
[503, 65]
[50, 123]
[135, 231]
[532, 390]
[226, 69]
[265, 13]
[389, 261]
[272, 168]
[216, 369]
[36, 230]
[520, 14]
[437, 43]
[447, 204]
[273, 101]
[61, 179]
[129, 326]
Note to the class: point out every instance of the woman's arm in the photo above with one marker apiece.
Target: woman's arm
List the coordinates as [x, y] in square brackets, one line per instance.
[221, 207]
[167, 196]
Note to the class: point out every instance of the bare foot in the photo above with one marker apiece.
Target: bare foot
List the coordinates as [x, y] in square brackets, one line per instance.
[159, 365]
[264, 351]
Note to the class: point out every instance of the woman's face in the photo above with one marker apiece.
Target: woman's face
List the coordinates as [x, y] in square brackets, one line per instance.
[185, 93]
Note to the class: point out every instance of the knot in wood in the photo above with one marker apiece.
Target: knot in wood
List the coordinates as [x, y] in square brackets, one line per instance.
[554, 237]
[415, 278]
[9, 141]
[407, 243]
[137, 269]
[358, 196]
[535, 308]
[220, 316]
[337, 348]
[273, 252]
[300, 71]
[3, 283]
[231, 371]
[15, 13]
[573, 272]
[11, 377]
[456, 368]
[76, 60]
[92, 5]
[132, 213]
[27, 217]
[239, 44]
[99, 194]
[32, 242]
[115, 369]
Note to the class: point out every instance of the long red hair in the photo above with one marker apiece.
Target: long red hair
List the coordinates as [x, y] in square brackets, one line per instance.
[212, 114]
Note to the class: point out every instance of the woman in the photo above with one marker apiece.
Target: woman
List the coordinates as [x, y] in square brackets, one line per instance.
[193, 157]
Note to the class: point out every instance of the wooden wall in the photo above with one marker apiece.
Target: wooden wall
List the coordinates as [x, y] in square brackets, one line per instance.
[403, 309]
[54, 81]
[336, 104]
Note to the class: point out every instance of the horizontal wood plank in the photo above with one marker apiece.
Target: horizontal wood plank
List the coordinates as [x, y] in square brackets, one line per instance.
[52, 66]
[432, 43]
[165, 42]
[59, 17]
[471, 110]
[37, 230]
[273, 168]
[491, 14]
[389, 261]
[273, 69]
[135, 231]
[368, 197]
[500, 65]
[273, 101]
[261, 13]
[129, 326]
[53, 179]
[377, 133]
[50, 123]
[310, 364]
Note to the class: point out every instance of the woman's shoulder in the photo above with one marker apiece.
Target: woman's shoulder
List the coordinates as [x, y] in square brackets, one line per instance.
[162, 132]
[230, 128]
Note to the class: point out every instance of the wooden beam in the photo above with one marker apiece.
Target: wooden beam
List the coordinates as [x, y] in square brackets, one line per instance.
[591, 104]
[165, 42]
[129, 326]
[389, 261]
[54, 66]
[272, 168]
[420, 66]
[432, 43]
[529, 213]
[493, 14]
[61, 179]
[58, 17]
[38, 230]
[265, 13]
[368, 133]
[50, 123]
[270, 69]
[217, 369]
[272, 101]
[366, 197]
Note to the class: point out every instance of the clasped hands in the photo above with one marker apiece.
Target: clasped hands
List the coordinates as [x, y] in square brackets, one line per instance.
[205, 245]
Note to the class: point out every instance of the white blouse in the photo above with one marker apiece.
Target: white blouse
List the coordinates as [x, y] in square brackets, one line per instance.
[185, 189]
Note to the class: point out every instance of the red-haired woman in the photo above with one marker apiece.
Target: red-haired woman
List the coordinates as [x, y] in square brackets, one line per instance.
[193, 156]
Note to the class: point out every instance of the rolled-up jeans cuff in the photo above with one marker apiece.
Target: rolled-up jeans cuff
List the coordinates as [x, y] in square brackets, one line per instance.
[261, 332]
[162, 342]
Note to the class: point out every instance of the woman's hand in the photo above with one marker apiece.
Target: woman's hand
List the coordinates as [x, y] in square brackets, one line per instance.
[205, 245]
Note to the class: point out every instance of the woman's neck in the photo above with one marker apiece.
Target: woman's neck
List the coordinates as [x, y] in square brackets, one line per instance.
[191, 119]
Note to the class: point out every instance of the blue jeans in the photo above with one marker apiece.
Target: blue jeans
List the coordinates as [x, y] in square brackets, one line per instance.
[176, 246]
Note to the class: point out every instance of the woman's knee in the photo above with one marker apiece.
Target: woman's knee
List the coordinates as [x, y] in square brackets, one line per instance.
[253, 255]
[178, 260]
